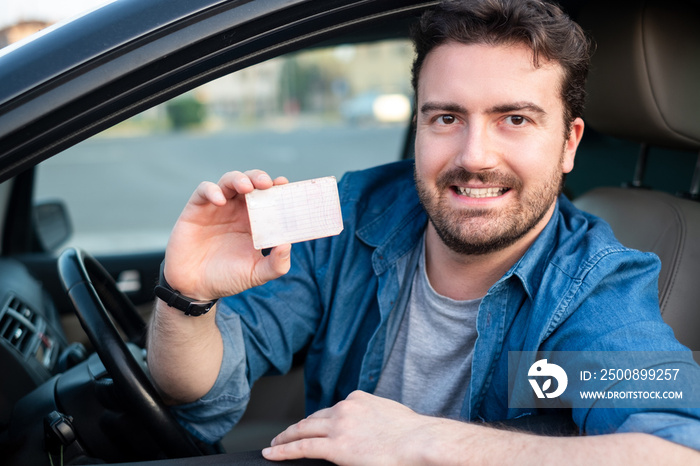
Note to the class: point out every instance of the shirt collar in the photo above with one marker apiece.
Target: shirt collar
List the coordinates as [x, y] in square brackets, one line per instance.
[530, 268]
[394, 230]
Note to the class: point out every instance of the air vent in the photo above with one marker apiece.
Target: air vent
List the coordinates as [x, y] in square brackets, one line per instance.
[18, 324]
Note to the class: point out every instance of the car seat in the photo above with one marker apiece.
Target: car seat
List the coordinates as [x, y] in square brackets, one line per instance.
[644, 85]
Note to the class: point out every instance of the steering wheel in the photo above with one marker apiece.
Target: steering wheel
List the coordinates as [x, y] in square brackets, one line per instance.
[91, 288]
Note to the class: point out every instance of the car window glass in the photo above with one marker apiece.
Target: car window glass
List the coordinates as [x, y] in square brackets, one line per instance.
[310, 114]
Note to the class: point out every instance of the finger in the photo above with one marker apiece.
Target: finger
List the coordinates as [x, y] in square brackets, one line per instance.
[322, 413]
[280, 180]
[306, 428]
[360, 395]
[315, 448]
[208, 192]
[235, 182]
[276, 264]
[280, 259]
[259, 178]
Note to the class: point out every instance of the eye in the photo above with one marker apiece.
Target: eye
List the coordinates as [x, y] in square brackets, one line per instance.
[516, 120]
[447, 119]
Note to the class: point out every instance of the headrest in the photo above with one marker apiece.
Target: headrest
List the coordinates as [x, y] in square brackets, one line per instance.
[644, 82]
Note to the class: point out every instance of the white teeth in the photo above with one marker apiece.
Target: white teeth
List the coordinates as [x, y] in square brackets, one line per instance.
[480, 192]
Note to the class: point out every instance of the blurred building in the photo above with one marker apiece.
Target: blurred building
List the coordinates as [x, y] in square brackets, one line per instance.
[324, 82]
[19, 31]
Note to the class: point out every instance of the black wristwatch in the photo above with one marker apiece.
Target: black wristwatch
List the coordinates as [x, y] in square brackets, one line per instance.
[173, 298]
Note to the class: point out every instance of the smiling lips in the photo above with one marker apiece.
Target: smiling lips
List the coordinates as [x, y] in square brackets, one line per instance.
[480, 192]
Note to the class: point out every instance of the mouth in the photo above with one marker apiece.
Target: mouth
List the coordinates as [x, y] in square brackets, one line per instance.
[479, 193]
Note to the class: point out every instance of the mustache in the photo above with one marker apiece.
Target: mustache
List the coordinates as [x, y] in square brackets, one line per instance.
[457, 176]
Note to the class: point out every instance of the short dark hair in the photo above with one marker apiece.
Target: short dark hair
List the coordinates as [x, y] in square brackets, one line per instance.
[542, 26]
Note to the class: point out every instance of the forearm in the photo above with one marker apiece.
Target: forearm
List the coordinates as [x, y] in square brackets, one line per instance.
[365, 429]
[184, 353]
[474, 444]
[209, 255]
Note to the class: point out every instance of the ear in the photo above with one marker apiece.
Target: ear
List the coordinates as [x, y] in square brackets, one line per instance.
[575, 135]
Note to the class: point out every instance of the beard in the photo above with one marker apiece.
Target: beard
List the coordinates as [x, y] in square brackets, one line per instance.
[477, 231]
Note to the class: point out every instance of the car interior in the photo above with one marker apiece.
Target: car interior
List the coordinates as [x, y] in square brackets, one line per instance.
[643, 87]
[72, 323]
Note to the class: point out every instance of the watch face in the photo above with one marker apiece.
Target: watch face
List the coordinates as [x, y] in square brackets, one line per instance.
[199, 308]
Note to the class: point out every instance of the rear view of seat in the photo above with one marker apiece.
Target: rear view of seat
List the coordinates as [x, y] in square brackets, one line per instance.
[644, 86]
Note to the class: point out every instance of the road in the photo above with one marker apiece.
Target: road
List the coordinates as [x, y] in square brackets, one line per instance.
[124, 194]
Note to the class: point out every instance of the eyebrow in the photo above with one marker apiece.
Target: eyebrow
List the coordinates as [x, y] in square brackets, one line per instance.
[501, 108]
[516, 107]
[442, 107]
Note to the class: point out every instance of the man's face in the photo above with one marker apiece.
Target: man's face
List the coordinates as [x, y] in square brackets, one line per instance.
[490, 144]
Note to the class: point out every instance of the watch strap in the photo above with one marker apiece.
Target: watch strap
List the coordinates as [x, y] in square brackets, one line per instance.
[173, 298]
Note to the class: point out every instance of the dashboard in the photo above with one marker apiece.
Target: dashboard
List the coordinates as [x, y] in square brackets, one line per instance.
[32, 344]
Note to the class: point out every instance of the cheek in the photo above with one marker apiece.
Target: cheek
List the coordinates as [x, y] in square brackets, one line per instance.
[433, 153]
[423, 172]
[536, 160]
[426, 158]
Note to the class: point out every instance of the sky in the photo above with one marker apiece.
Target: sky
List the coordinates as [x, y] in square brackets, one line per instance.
[12, 11]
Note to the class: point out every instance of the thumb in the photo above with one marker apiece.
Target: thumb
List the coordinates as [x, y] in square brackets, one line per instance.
[276, 264]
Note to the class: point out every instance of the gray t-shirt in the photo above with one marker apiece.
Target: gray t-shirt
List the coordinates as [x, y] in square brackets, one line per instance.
[429, 366]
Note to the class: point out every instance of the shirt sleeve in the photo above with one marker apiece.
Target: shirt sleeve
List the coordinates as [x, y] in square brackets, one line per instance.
[673, 427]
[262, 328]
[616, 310]
[213, 415]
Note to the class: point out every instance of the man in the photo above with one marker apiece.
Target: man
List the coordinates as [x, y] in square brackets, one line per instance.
[409, 313]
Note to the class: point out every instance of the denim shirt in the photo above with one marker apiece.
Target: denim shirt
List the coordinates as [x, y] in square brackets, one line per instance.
[575, 289]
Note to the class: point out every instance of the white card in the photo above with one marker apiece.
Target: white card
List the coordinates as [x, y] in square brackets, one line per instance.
[294, 212]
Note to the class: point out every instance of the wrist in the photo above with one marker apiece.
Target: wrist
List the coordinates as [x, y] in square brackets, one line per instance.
[452, 442]
[176, 300]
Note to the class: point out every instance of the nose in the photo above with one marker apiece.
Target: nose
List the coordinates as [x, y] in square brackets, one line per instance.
[477, 152]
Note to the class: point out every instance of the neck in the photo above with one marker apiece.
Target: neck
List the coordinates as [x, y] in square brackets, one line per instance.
[461, 276]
